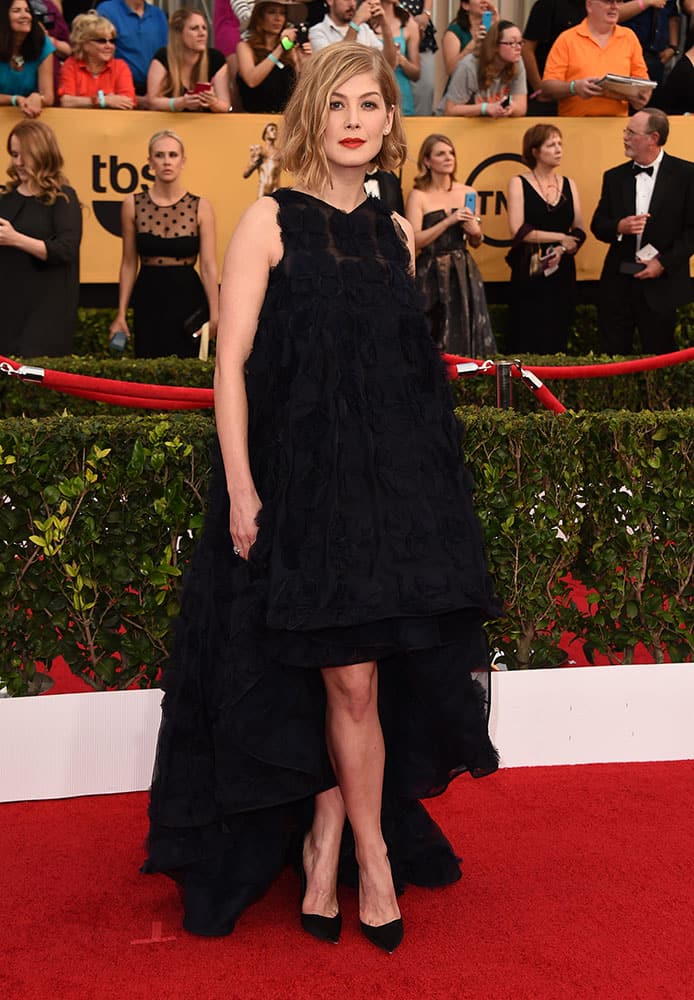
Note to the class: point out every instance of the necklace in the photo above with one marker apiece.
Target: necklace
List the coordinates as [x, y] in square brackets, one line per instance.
[17, 62]
[545, 193]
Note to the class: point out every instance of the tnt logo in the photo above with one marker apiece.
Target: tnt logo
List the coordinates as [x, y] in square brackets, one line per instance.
[490, 179]
[119, 176]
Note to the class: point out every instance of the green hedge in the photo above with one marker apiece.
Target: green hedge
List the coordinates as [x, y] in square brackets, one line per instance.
[98, 517]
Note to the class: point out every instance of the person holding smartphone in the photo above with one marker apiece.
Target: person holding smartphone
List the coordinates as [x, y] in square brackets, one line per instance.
[443, 214]
[272, 58]
[490, 84]
[187, 75]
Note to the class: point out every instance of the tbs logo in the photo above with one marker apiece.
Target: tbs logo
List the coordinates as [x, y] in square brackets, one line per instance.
[121, 177]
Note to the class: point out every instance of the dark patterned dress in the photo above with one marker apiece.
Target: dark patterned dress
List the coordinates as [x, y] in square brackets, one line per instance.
[367, 549]
[168, 297]
[453, 290]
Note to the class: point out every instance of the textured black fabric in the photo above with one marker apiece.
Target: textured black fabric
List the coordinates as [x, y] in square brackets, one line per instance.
[367, 548]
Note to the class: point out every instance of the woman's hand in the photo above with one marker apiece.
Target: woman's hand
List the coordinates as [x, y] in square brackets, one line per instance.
[457, 215]
[119, 102]
[471, 223]
[8, 234]
[31, 106]
[119, 325]
[191, 101]
[495, 109]
[242, 522]
[289, 33]
[569, 244]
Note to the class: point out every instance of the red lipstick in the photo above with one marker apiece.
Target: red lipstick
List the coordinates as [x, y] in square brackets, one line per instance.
[352, 143]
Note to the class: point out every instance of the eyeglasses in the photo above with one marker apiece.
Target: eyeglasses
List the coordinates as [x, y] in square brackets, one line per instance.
[103, 41]
[518, 44]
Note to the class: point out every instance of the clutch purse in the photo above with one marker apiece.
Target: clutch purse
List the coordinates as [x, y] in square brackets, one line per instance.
[194, 322]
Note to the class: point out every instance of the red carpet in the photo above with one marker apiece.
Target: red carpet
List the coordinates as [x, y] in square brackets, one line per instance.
[577, 884]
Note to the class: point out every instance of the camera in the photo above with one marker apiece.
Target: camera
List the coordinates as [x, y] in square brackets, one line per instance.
[42, 14]
[301, 33]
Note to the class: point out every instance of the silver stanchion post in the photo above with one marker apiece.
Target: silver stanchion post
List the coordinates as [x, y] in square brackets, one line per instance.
[504, 394]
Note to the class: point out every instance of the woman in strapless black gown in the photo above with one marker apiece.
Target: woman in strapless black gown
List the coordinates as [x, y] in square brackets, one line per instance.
[544, 217]
[442, 212]
[333, 613]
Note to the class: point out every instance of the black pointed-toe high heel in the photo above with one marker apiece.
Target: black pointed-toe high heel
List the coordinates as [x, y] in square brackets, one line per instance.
[385, 936]
[323, 928]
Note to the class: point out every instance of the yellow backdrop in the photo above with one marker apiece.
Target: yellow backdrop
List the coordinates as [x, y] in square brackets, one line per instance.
[106, 153]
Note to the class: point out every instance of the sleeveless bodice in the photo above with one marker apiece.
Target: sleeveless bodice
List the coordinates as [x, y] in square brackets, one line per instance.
[336, 405]
[167, 235]
[449, 241]
[552, 218]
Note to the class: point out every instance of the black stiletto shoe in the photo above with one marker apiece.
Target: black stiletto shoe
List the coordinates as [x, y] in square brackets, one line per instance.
[386, 936]
[323, 928]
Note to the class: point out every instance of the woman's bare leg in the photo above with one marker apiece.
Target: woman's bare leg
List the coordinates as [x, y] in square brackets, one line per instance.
[355, 742]
[321, 854]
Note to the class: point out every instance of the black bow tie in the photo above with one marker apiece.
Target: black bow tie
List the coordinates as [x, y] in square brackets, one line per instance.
[643, 170]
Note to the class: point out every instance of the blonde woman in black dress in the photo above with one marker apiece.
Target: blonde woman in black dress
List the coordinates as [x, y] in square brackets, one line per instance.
[440, 210]
[167, 227]
[320, 685]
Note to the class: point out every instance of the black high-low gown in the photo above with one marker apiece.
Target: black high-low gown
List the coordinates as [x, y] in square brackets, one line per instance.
[368, 548]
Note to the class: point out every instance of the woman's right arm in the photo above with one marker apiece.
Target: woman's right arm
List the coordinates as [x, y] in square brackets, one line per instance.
[255, 248]
[128, 266]
[253, 73]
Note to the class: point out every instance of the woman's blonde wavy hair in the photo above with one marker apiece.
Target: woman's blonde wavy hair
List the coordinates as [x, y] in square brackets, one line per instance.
[423, 179]
[86, 27]
[42, 158]
[172, 83]
[306, 114]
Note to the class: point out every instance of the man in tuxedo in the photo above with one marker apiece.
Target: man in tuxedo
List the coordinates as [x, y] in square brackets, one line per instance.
[646, 214]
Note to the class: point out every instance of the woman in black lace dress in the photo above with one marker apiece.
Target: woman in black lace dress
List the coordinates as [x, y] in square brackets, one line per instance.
[544, 216]
[443, 214]
[333, 612]
[167, 226]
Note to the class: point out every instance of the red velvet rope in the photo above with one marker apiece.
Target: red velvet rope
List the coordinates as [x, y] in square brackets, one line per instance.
[586, 371]
[171, 397]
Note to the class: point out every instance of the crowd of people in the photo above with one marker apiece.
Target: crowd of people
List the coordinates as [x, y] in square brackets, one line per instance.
[125, 54]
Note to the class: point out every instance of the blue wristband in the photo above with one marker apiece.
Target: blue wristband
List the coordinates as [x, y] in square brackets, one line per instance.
[15, 98]
[354, 27]
[483, 109]
[102, 99]
[275, 61]
[172, 106]
[572, 88]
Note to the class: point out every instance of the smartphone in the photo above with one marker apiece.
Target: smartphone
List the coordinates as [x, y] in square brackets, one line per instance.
[505, 102]
[118, 341]
[487, 18]
[202, 88]
[471, 201]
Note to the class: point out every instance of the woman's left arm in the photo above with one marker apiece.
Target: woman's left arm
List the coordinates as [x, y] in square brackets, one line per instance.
[409, 62]
[208, 261]
[46, 81]
[218, 100]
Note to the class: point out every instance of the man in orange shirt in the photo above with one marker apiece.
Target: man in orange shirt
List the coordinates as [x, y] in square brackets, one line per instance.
[582, 56]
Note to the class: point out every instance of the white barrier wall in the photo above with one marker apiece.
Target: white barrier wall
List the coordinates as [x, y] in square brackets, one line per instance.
[91, 744]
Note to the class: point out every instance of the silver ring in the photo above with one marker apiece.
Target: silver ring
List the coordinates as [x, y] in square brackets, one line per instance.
[237, 552]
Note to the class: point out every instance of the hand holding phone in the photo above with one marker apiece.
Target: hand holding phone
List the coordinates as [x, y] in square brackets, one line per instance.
[487, 18]
[471, 201]
[201, 88]
[505, 102]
